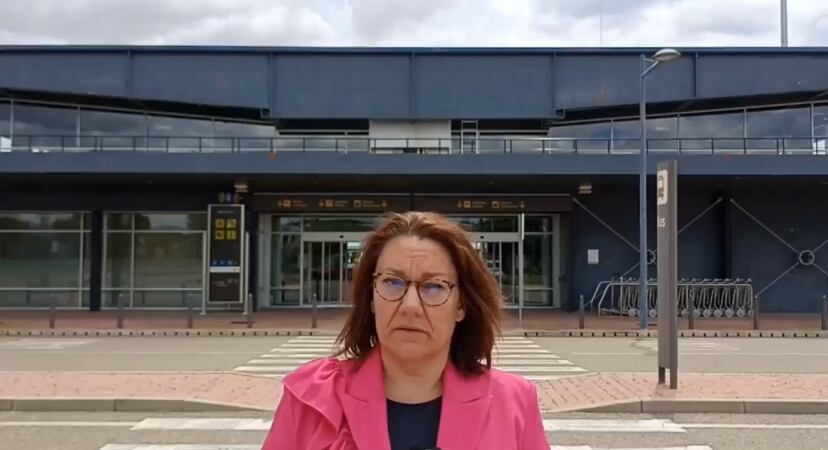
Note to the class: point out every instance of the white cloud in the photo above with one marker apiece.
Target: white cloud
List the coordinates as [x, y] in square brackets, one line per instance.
[413, 22]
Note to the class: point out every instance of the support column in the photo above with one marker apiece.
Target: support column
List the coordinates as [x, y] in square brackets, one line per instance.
[95, 260]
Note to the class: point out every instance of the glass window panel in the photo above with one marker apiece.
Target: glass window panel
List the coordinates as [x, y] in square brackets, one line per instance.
[340, 223]
[284, 264]
[38, 221]
[590, 136]
[792, 124]
[5, 126]
[39, 299]
[727, 125]
[45, 121]
[171, 221]
[119, 221]
[180, 126]
[242, 130]
[180, 134]
[39, 259]
[821, 121]
[166, 299]
[117, 129]
[168, 260]
[109, 298]
[280, 297]
[661, 134]
[118, 260]
[283, 224]
[488, 224]
[712, 131]
[534, 224]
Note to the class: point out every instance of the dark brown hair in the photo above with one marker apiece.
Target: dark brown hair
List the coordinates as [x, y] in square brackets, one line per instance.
[473, 338]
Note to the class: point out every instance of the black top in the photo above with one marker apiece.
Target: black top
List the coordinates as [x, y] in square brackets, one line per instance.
[414, 426]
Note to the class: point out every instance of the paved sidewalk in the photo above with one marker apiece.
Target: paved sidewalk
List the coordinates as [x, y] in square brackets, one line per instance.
[565, 394]
[330, 320]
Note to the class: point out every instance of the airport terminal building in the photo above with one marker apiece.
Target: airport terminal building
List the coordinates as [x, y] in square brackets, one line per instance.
[116, 164]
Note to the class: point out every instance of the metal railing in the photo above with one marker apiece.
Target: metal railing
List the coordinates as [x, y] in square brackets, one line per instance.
[356, 144]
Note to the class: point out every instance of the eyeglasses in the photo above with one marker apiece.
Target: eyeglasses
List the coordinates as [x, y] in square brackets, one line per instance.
[432, 292]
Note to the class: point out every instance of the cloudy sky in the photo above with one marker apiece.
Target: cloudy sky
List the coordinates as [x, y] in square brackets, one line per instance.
[552, 23]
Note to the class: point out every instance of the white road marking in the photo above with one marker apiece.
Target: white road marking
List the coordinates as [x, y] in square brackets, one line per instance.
[587, 447]
[44, 344]
[181, 447]
[757, 426]
[613, 426]
[64, 423]
[220, 424]
[516, 354]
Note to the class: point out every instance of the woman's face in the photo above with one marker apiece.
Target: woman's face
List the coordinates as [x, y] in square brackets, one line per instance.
[409, 328]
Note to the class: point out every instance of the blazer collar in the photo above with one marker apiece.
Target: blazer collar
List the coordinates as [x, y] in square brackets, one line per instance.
[465, 406]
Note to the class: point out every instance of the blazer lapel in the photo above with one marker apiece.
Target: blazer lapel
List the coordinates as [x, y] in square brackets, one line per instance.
[465, 410]
[364, 405]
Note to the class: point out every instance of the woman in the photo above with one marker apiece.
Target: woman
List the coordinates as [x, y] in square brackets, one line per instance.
[417, 348]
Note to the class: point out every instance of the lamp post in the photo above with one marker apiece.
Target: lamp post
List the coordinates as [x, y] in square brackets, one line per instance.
[662, 56]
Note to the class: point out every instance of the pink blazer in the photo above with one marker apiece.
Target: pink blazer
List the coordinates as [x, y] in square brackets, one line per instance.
[341, 405]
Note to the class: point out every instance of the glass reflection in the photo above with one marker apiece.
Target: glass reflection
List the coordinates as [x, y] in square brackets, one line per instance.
[168, 260]
[590, 136]
[5, 127]
[39, 260]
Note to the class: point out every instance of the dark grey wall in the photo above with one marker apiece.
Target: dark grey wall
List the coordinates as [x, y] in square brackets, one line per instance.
[791, 211]
[398, 83]
[330, 163]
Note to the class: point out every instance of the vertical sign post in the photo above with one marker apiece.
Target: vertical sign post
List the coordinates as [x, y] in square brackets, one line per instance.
[666, 206]
[225, 262]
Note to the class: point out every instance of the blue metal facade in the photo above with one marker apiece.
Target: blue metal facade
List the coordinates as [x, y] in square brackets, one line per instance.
[323, 88]
[293, 83]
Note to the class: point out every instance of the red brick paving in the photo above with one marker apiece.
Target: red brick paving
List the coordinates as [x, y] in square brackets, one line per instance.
[330, 320]
[565, 394]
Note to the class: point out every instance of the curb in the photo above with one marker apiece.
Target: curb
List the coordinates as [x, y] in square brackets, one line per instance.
[712, 406]
[228, 332]
[172, 332]
[682, 333]
[63, 404]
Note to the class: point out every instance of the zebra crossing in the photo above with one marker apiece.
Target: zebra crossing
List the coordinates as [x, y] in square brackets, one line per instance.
[517, 355]
[259, 428]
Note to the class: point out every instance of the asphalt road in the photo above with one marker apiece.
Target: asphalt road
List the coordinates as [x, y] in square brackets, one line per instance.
[728, 355]
[246, 431]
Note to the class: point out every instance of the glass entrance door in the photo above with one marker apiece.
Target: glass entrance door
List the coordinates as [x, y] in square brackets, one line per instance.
[328, 267]
[502, 260]
[503, 255]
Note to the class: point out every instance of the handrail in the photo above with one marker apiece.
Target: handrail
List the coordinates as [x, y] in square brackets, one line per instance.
[418, 145]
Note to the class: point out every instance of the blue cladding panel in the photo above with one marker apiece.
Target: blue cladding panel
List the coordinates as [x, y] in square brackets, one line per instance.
[75, 73]
[587, 81]
[722, 75]
[482, 87]
[342, 86]
[213, 79]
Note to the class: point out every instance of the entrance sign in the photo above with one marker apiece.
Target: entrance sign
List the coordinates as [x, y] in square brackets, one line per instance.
[499, 204]
[666, 205]
[225, 254]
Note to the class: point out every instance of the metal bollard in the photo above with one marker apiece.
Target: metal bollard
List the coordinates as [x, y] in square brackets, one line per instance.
[189, 316]
[52, 310]
[756, 312]
[120, 316]
[581, 312]
[313, 311]
[824, 313]
[249, 309]
[691, 311]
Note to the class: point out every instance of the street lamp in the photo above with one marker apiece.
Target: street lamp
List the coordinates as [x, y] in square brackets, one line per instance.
[662, 56]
